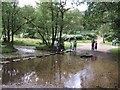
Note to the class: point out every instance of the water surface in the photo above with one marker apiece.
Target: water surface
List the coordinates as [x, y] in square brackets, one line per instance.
[68, 70]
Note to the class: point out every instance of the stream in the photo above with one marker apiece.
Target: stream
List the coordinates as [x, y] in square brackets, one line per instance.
[66, 70]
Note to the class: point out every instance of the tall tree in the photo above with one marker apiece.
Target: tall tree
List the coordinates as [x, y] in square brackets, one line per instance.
[12, 20]
[101, 13]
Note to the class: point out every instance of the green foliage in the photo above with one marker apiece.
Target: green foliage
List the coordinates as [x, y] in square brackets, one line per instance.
[88, 36]
[49, 20]
[103, 16]
[73, 22]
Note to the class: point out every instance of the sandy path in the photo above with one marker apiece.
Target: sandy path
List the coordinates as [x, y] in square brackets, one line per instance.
[101, 47]
[103, 50]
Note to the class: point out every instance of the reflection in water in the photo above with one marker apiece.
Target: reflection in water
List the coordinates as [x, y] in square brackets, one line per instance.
[66, 70]
[94, 58]
[79, 79]
[29, 77]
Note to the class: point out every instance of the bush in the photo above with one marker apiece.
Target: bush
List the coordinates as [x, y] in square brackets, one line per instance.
[89, 36]
[80, 36]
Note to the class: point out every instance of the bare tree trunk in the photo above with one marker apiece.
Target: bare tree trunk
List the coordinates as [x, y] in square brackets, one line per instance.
[61, 29]
[13, 22]
[103, 38]
[8, 29]
[13, 29]
[53, 36]
[4, 28]
[44, 40]
[56, 24]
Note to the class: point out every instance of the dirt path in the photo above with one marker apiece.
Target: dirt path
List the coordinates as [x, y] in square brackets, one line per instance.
[101, 47]
[102, 51]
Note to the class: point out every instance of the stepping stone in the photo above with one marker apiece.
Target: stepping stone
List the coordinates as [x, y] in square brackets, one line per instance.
[86, 55]
[39, 56]
[15, 60]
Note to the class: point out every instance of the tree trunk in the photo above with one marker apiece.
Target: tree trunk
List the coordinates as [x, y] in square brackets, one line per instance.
[13, 22]
[13, 28]
[8, 29]
[61, 29]
[103, 39]
[52, 19]
[44, 40]
[4, 28]
[56, 25]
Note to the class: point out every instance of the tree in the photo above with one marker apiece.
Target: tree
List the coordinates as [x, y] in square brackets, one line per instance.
[101, 13]
[28, 14]
[12, 20]
[73, 22]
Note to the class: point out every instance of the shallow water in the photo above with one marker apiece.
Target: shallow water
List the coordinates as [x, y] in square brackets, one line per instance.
[24, 51]
[68, 70]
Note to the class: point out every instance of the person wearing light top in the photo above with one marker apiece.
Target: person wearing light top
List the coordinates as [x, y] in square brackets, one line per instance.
[70, 45]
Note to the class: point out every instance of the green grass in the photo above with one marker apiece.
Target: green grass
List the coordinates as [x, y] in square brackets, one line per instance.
[115, 51]
[46, 48]
[66, 45]
[79, 43]
[7, 49]
[36, 42]
[27, 42]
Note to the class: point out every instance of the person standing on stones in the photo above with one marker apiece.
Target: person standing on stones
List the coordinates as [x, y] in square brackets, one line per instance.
[70, 45]
[75, 45]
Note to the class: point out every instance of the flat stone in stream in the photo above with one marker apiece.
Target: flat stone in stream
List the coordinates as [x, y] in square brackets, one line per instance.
[39, 56]
[52, 53]
[4, 62]
[47, 55]
[15, 60]
[86, 56]
[26, 59]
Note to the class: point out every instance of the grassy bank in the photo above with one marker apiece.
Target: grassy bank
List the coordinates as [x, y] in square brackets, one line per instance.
[66, 45]
[46, 48]
[27, 42]
[115, 51]
[36, 42]
[7, 49]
